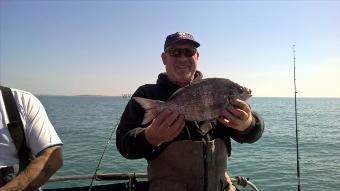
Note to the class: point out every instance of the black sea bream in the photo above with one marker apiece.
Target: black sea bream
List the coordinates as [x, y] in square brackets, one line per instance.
[200, 101]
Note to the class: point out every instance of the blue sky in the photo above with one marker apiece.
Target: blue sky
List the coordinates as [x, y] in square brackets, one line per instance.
[112, 47]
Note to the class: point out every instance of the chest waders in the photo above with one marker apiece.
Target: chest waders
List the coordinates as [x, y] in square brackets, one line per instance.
[16, 130]
[191, 166]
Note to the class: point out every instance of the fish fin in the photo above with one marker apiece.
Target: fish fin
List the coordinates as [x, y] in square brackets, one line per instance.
[195, 81]
[150, 107]
[190, 84]
[175, 93]
[205, 127]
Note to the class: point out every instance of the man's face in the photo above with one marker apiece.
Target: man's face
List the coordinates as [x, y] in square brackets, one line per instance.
[180, 68]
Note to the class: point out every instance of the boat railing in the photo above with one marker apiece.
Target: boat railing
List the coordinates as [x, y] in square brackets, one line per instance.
[132, 177]
[106, 176]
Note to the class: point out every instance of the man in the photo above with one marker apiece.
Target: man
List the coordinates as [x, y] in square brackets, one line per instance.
[40, 140]
[179, 155]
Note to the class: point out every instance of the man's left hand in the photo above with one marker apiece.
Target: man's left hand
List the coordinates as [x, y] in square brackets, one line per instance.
[237, 115]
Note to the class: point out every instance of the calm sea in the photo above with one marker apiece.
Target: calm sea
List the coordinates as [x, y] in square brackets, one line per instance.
[85, 123]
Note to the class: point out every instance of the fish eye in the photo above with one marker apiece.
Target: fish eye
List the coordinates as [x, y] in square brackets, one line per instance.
[241, 90]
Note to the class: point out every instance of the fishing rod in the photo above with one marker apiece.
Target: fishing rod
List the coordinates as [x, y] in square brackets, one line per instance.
[108, 142]
[296, 130]
[101, 157]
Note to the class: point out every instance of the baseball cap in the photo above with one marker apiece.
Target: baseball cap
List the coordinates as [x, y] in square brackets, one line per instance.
[179, 36]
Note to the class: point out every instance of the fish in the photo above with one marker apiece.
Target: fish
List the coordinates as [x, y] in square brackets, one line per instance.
[202, 100]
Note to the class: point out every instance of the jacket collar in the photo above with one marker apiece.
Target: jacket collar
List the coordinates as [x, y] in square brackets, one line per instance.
[164, 80]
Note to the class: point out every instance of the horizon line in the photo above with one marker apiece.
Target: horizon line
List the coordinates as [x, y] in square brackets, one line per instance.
[130, 95]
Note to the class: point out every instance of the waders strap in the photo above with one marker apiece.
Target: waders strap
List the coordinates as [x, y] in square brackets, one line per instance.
[15, 126]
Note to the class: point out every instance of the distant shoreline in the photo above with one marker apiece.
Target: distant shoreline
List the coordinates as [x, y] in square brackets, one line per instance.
[129, 95]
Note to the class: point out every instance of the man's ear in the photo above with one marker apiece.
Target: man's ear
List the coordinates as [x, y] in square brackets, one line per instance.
[164, 58]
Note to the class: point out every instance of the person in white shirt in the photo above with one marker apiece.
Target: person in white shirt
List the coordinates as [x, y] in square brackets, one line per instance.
[41, 138]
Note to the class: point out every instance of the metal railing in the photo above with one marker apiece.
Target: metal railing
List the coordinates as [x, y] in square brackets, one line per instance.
[132, 177]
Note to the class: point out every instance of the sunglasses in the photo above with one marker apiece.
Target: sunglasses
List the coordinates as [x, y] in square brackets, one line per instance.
[177, 52]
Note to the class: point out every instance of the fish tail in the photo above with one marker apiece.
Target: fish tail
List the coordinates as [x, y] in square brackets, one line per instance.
[151, 108]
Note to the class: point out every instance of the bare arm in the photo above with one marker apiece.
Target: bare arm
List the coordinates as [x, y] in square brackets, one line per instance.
[38, 171]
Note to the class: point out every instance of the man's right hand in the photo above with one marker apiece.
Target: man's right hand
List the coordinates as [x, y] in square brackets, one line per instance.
[165, 127]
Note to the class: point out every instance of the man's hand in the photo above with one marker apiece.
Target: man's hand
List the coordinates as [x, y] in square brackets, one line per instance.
[165, 127]
[237, 116]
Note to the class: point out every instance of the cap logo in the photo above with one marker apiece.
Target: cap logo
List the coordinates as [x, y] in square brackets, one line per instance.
[182, 34]
[179, 36]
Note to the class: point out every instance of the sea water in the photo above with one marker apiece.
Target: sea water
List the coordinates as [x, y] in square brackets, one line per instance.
[85, 123]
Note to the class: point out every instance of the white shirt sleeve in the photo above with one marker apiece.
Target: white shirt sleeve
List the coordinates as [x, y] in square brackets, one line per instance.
[40, 134]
